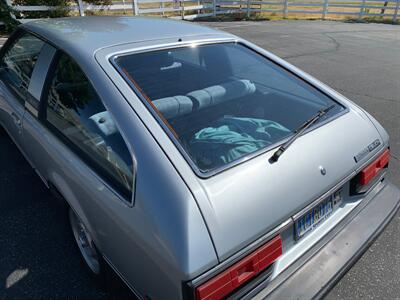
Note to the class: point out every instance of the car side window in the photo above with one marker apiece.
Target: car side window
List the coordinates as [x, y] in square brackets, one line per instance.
[78, 115]
[18, 63]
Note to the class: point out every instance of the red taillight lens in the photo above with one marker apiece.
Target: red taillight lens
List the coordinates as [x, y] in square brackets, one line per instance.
[369, 173]
[364, 179]
[227, 281]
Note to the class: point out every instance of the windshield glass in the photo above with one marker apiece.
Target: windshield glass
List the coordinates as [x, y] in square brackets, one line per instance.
[222, 101]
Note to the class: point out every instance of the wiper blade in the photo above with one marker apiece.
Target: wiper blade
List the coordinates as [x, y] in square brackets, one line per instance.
[298, 132]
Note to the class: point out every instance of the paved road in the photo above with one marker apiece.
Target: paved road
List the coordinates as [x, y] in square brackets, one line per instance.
[362, 61]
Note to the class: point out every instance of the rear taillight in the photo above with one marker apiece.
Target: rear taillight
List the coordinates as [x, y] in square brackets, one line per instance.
[365, 178]
[241, 272]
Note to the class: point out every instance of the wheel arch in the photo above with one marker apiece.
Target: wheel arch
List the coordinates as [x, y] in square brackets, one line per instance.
[66, 197]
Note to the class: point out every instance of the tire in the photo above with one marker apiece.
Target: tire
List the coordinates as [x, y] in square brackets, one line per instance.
[90, 255]
[100, 271]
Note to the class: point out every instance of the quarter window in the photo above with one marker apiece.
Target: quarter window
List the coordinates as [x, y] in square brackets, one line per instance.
[19, 61]
[76, 112]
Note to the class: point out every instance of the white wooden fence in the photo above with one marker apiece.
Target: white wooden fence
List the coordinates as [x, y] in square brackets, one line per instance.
[190, 9]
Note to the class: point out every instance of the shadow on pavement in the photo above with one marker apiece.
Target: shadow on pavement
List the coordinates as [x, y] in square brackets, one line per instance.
[38, 257]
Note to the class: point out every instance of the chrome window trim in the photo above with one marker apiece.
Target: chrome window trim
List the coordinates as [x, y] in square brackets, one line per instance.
[129, 203]
[204, 175]
[30, 108]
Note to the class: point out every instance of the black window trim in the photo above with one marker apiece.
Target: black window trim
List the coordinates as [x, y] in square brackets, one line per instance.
[117, 188]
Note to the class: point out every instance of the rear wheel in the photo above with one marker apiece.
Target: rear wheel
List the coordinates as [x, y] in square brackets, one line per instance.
[87, 248]
[105, 277]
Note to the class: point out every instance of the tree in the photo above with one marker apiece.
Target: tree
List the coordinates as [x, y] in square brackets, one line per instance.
[6, 16]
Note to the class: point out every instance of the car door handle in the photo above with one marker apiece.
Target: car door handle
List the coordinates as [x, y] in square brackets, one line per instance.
[16, 119]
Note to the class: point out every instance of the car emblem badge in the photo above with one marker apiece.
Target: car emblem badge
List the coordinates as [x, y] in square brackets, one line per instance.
[322, 170]
[367, 150]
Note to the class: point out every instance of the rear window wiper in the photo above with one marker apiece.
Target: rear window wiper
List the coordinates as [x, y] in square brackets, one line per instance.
[298, 132]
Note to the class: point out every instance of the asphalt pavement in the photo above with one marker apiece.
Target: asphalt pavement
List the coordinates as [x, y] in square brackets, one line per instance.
[38, 259]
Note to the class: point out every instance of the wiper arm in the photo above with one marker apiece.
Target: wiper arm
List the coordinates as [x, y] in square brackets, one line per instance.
[298, 132]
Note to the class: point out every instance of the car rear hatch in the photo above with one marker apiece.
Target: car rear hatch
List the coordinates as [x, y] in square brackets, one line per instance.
[244, 200]
[247, 201]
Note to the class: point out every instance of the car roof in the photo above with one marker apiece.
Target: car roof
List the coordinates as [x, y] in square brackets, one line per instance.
[85, 35]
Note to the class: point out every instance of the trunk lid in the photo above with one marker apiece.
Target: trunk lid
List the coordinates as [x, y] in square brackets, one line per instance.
[250, 199]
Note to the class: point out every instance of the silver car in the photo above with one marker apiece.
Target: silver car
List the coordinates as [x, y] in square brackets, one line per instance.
[194, 163]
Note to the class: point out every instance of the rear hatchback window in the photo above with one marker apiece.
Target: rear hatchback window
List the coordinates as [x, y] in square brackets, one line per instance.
[222, 102]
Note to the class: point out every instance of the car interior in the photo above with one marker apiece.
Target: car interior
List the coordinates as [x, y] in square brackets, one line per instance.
[76, 110]
[205, 93]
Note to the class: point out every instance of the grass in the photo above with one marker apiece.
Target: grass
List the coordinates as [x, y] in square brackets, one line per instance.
[275, 17]
[278, 14]
[310, 15]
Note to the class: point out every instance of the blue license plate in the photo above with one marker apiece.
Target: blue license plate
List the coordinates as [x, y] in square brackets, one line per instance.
[316, 215]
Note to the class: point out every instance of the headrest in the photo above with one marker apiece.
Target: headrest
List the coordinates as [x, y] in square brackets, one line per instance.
[104, 122]
[175, 106]
[221, 93]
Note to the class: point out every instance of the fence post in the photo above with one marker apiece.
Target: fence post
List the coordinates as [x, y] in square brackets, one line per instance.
[135, 7]
[325, 9]
[248, 9]
[81, 8]
[182, 3]
[162, 8]
[362, 10]
[285, 8]
[396, 11]
[123, 2]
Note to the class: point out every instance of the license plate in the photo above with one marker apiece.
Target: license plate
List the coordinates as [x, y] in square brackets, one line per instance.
[316, 215]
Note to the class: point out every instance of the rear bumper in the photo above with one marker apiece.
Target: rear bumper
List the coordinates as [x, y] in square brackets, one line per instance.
[313, 275]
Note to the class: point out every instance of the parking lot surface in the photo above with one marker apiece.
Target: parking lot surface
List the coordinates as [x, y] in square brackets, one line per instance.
[38, 259]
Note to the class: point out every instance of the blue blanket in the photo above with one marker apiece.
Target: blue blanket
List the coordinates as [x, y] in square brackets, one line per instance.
[230, 138]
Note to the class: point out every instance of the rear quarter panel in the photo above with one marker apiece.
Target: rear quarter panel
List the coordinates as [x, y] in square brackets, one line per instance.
[158, 240]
